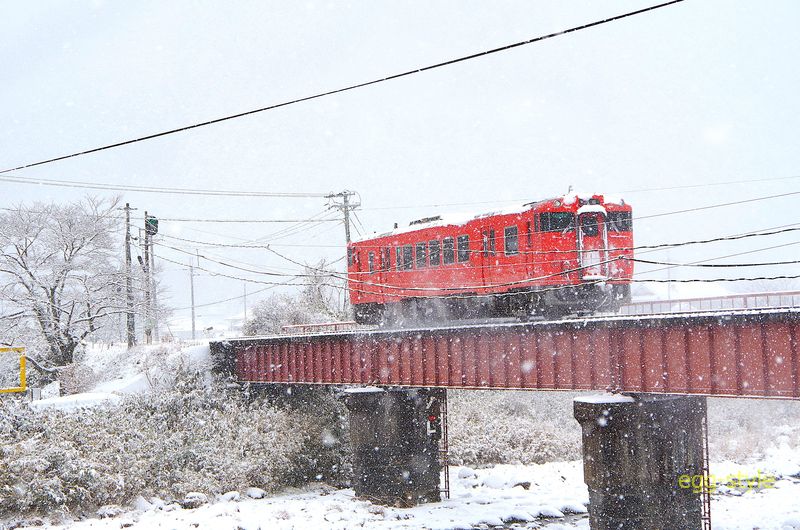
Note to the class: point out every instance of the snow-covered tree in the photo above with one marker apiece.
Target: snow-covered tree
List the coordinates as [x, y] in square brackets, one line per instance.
[320, 300]
[60, 269]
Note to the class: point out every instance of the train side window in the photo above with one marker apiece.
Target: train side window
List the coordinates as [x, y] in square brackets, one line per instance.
[422, 255]
[511, 237]
[398, 258]
[408, 257]
[351, 256]
[619, 221]
[386, 256]
[463, 248]
[435, 255]
[448, 249]
[371, 261]
[557, 221]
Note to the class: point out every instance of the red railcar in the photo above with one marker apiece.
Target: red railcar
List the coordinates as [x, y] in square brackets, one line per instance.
[550, 257]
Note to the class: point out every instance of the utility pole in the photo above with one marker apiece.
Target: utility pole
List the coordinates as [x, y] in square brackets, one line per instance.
[154, 299]
[341, 201]
[148, 317]
[131, 323]
[191, 290]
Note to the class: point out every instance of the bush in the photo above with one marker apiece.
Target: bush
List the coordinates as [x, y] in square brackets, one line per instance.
[197, 437]
[506, 427]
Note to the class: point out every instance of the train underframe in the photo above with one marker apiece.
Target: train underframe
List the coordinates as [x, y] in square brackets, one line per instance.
[547, 302]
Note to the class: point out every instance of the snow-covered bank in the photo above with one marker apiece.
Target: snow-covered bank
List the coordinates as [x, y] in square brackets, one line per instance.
[108, 373]
[495, 496]
[550, 496]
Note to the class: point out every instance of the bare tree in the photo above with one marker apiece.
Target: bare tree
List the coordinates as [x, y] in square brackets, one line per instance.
[61, 271]
[323, 292]
[320, 300]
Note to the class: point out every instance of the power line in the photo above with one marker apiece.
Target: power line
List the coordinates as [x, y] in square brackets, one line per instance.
[689, 210]
[172, 219]
[759, 233]
[720, 280]
[714, 265]
[636, 190]
[518, 293]
[350, 87]
[709, 184]
[721, 205]
[217, 302]
[223, 275]
[143, 189]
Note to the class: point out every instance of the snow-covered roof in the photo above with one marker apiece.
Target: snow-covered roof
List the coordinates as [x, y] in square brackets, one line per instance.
[449, 219]
[588, 208]
[460, 219]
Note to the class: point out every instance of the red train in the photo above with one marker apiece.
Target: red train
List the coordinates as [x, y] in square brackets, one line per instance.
[552, 257]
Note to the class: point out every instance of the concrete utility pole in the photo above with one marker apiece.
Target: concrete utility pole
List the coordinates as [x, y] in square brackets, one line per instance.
[131, 323]
[148, 314]
[341, 201]
[154, 300]
[191, 290]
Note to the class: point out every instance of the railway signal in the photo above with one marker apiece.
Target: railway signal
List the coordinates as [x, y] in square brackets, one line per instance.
[151, 225]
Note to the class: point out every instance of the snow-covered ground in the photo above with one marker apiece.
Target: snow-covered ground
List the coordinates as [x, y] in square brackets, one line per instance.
[550, 496]
[120, 372]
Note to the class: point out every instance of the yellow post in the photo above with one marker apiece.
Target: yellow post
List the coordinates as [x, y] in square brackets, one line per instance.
[23, 385]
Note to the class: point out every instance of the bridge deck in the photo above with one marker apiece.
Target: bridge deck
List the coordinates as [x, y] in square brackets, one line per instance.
[725, 353]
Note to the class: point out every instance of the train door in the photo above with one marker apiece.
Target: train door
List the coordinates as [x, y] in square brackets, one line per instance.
[488, 255]
[592, 245]
[527, 244]
[384, 267]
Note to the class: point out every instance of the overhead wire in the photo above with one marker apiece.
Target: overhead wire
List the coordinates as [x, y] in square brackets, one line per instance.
[471, 296]
[392, 77]
[146, 189]
[635, 190]
[715, 265]
[759, 233]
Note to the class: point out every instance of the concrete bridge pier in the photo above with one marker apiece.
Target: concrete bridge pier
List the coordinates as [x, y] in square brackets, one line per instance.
[395, 434]
[638, 451]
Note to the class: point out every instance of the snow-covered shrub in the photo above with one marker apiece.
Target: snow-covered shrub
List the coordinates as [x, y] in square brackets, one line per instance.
[197, 437]
[327, 454]
[742, 430]
[504, 427]
[488, 427]
[320, 300]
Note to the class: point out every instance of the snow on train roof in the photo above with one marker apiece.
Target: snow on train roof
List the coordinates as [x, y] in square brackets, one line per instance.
[459, 219]
[450, 219]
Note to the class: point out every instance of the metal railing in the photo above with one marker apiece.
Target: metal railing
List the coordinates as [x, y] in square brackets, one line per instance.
[324, 327]
[772, 300]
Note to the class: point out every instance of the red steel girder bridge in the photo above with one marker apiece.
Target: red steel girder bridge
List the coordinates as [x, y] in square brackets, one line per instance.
[723, 353]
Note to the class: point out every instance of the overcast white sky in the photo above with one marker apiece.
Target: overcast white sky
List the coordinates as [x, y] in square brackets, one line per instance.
[696, 93]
